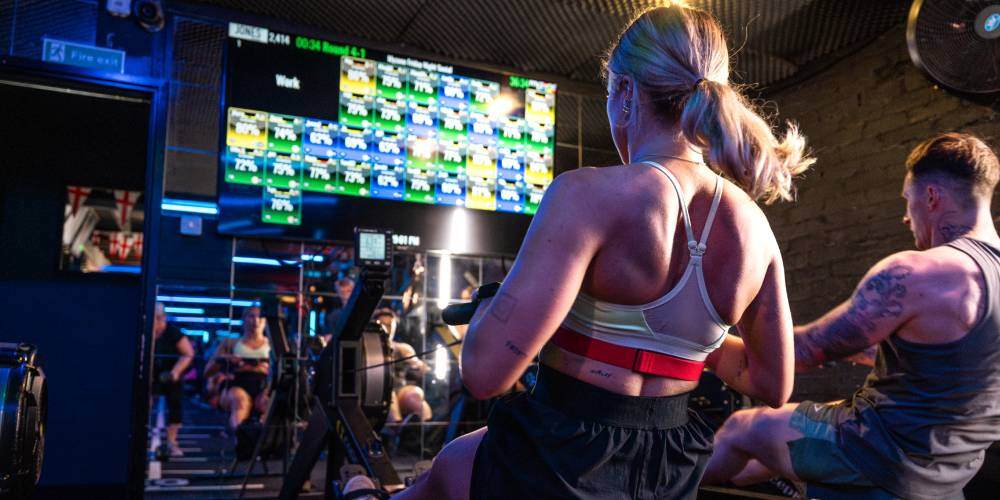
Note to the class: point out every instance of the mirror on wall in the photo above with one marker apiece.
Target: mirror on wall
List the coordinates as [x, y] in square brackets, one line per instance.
[102, 230]
[235, 362]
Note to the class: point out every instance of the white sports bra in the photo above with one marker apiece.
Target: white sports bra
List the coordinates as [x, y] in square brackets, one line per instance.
[241, 350]
[683, 323]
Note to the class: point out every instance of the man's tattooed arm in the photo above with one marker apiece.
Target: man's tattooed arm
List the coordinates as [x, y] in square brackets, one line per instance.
[865, 357]
[870, 315]
[837, 339]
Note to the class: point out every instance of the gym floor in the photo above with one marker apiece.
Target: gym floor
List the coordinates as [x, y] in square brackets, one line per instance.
[207, 468]
[206, 471]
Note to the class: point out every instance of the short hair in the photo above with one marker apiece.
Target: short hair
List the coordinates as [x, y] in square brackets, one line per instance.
[249, 309]
[345, 281]
[385, 311]
[963, 159]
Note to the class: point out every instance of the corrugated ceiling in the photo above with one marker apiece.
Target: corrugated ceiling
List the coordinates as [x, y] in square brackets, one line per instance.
[774, 42]
[772, 39]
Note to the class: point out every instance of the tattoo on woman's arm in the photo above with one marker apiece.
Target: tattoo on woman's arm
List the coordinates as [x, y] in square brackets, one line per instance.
[601, 373]
[514, 349]
[742, 365]
[502, 307]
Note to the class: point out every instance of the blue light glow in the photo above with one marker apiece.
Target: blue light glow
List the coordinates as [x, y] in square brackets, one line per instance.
[199, 319]
[312, 323]
[196, 333]
[992, 23]
[184, 310]
[121, 269]
[206, 300]
[192, 300]
[256, 260]
[189, 206]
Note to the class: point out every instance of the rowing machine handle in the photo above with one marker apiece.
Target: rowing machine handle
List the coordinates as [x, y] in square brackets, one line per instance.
[461, 314]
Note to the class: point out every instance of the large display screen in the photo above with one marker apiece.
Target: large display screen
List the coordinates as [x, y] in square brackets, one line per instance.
[321, 136]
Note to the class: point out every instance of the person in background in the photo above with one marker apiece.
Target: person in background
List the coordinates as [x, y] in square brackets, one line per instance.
[247, 361]
[415, 283]
[407, 396]
[172, 355]
[344, 288]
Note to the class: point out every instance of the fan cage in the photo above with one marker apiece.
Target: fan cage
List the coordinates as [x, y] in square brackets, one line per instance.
[942, 41]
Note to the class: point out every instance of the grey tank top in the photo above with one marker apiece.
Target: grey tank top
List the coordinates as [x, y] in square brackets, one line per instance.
[926, 413]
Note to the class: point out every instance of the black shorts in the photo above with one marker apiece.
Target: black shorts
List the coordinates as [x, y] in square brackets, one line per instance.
[174, 393]
[251, 382]
[570, 439]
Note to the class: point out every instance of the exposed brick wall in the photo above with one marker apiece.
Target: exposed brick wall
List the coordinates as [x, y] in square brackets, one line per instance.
[861, 116]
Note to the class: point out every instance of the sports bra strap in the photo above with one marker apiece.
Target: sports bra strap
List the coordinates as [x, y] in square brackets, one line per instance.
[696, 247]
[716, 198]
[680, 198]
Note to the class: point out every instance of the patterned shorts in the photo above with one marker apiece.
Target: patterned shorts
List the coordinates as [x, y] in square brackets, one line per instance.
[818, 460]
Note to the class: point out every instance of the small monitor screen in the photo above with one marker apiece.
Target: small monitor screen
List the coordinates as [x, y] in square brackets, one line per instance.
[317, 132]
[371, 246]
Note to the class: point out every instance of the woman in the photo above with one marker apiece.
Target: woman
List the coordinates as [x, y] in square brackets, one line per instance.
[245, 364]
[172, 355]
[628, 281]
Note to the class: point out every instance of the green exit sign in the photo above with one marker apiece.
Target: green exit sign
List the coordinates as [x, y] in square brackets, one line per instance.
[85, 56]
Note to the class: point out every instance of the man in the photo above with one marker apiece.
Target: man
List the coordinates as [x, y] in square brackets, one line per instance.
[407, 396]
[344, 288]
[172, 354]
[931, 405]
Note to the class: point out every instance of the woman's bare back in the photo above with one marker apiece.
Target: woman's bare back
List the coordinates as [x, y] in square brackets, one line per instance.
[646, 255]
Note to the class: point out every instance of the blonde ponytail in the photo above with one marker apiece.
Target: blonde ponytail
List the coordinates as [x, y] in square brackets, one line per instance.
[678, 55]
[740, 144]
